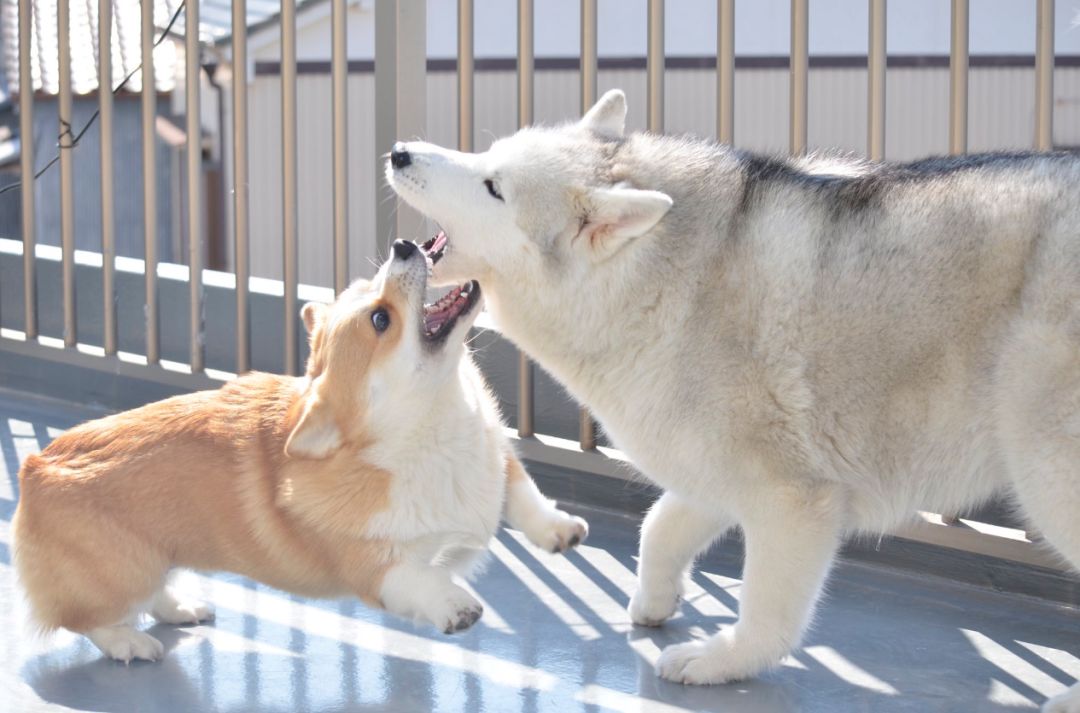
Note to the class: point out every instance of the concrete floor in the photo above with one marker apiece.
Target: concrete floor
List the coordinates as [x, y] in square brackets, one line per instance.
[554, 637]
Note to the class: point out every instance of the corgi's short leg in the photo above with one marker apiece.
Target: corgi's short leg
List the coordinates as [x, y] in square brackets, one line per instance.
[425, 593]
[168, 608]
[123, 642]
[545, 525]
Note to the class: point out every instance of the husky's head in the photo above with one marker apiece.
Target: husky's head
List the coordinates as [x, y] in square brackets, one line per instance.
[544, 200]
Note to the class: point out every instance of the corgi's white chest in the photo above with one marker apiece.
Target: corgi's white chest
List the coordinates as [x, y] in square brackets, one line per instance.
[448, 482]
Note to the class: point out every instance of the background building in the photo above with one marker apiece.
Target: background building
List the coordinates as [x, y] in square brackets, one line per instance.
[1002, 84]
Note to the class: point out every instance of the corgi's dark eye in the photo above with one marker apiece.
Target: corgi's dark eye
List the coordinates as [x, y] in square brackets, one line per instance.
[493, 189]
[380, 319]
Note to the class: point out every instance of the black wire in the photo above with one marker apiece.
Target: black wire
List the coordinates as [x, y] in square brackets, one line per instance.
[73, 140]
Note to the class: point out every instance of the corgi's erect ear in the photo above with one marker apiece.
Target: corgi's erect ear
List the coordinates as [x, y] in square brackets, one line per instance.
[607, 116]
[615, 216]
[312, 313]
[316, 433]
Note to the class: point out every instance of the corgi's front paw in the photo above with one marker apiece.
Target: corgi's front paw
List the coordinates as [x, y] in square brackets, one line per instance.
[124, 643]
[557, 531]
[457, 611]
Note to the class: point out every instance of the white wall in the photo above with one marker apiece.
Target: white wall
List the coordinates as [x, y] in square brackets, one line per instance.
[1001, 117]
[837, 27]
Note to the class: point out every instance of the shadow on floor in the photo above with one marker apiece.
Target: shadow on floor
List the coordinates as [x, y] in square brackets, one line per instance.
[555, 637]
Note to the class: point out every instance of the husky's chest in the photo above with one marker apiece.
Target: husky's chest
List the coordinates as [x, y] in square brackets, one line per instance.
[448, 486]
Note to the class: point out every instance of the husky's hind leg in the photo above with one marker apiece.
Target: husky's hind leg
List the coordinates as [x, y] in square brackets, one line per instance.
[1039, 428]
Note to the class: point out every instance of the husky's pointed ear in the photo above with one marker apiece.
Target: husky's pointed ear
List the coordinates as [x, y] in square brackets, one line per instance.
[316, 433]
[608, 116]
[312, 313]
[614, 216]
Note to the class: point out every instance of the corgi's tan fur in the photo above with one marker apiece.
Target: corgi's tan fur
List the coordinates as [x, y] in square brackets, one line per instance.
[322, 485]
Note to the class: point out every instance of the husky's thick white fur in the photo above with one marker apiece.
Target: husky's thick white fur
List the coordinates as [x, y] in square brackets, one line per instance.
[806, 349]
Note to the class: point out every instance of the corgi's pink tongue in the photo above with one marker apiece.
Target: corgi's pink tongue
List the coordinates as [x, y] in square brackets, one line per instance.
[444, 310]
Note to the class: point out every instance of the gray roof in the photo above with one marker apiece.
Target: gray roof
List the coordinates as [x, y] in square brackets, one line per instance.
[215, 26]
[215, 17]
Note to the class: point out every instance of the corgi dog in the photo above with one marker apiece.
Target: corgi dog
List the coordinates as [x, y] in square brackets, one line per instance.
[382, 473]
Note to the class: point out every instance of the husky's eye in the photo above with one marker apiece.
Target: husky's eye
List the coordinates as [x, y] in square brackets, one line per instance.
[492, 189]
[380, 319]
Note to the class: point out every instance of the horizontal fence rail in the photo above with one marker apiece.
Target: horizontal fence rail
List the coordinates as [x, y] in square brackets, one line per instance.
[399, 110]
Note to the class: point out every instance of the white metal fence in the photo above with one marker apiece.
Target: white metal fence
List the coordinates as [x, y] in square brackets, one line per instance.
[398, 110]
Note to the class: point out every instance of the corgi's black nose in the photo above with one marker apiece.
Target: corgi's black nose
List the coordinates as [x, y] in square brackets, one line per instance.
[403, 249]
[399, 156]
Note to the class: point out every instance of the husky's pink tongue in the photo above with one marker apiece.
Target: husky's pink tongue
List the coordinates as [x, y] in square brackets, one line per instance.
[439, 242]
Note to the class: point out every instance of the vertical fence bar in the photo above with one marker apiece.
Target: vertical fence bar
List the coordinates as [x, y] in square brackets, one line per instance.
[958, 78]
[26, 169]
[654, 70]
[465, 75]
[875, 112]
[67, 207]
[149, 115]
[339, 71]
[108, 218]
[194, 184]
[525, 66]
[525, 62]
[242, 267]
[588, 54]
[401, 111]
[800, 26]
[725, 71]
[289, 220]
[1044, 76]
[586, 427]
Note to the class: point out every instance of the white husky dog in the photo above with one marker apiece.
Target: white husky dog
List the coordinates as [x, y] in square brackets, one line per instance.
[804, 348]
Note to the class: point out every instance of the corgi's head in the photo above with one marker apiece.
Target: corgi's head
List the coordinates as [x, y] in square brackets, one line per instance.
[376, 350]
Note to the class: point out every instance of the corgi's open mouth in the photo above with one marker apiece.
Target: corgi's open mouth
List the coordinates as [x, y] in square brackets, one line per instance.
[435, 248]
[440, 317]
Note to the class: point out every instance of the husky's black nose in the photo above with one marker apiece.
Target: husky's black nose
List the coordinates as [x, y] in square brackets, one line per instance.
[399, 156]
[403, 249]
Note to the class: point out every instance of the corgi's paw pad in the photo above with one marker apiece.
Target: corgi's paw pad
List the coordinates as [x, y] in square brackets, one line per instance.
[181, 613]
[653, 607]
[1067, 702]
[465, 619]
[457, 612]
[559, 532]
[123, 643]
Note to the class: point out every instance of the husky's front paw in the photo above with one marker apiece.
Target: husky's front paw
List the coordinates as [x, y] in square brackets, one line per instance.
[558, 531]
[124, 643]
[653, 606]
[457, 611]
[702, 663]
[1067, 702]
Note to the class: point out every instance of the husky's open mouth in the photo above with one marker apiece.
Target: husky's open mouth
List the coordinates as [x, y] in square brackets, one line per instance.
[441, 316]
[435, 248]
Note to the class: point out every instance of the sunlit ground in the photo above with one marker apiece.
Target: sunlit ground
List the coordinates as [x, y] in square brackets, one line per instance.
[554, 637]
